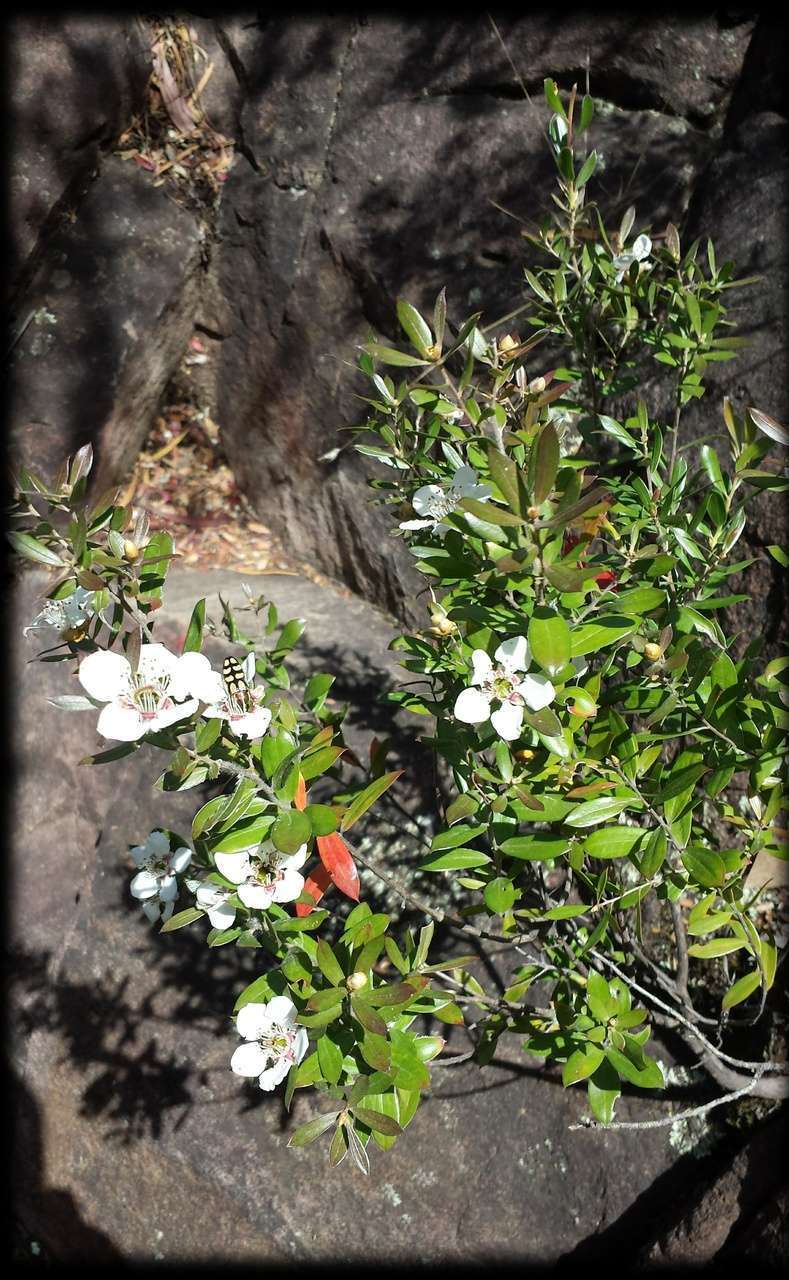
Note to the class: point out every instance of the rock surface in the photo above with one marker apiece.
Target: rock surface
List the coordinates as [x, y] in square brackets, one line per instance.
[377, 179]
[121, 1043]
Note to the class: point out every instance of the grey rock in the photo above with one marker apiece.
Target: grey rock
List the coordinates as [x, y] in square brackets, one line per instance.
[112, 304]
[74, 83]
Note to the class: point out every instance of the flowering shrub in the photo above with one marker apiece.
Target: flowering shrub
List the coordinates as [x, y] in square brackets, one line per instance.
[603, 750]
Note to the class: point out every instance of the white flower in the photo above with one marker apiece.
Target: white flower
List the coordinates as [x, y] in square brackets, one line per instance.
[274, 1041]
[239, 707]
[155, 883]
[140, 701]
[642, 247]
[434, 501]
[502, 684]
[63, 615]
[264, 875]
[212, 899]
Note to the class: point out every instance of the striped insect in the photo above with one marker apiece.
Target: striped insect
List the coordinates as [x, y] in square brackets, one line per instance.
[236, 682]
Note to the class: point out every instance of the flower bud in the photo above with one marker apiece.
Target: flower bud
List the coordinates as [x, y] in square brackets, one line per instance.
[130, 550]
[652, 651]
[355, 981]
[442, 624]
[507, 343]
[525, 753]
[74, 634]
[533, 513]
[536, 386]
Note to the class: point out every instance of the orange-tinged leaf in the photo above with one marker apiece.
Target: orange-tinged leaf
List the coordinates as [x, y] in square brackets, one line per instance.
[315, 885]
[336, 858]
[300, 798]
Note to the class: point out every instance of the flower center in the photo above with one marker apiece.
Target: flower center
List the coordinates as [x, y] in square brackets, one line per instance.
[278, 1041]
[444, 505]
[502, 686]
[149, 696]
[268, 871]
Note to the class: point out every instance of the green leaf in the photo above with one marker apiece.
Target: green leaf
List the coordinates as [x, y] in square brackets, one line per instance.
[414, 326]
[535, 848]
[549, 640]
[194, 632]
[313, 1128]
[544, 463]
[489, 512]
[581, 1064]
[505, 474]
[367, 798]
[499, 895]
[181, 918]
[741, 989]
[455, 860]
[705, 866]
[290, 831]
[378, 1121]
[587, 169]
[29, 547]
[328, 964]
[456, 836]
[462, 807]
[322, 819]
[639, 600]
[390, 355]
[601, 633]
[330, 1057]
[716, 947]
[613, 842]
[594, 811]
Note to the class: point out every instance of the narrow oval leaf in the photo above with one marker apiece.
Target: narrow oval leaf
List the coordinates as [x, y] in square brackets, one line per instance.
[545, 463]
[549, 640]
[336, 858]
[367, 798]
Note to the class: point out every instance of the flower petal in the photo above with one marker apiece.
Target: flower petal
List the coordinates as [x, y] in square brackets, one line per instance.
[300, 1044]
[104, 675]
[514, 654]
[169, 715]
[144, 885]
[248, 667]
[282, 1010]
[125, 724]
[415, 524]
[168, 888]
[482, 666]
[295, 860]
[289, 887]
[221, 916]
[425, 499]
[157, 845]
[464, 478]
[156, 663]
[642, 247]
[256, 896]
[253, 725]
[472, 706]
[233, 866]
[536, 691]
[248, 1060]
[194, 677]
[151, 909]
[253, 1020]
[274, 1075]
[507, 720]
[180, 860]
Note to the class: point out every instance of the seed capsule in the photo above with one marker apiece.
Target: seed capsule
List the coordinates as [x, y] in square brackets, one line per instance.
[652, 651]
[130, 550]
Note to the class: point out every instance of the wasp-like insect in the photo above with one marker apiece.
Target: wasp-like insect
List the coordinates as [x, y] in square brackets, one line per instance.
[236, 684]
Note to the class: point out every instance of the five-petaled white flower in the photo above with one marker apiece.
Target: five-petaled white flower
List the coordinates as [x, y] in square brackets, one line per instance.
[642, 247]
[140, 701]
[503, 684]
[239, 706]
[434, 501]
[274, 1041]
[264, 875]
[213, 899]
[67, 614]
[155, 884]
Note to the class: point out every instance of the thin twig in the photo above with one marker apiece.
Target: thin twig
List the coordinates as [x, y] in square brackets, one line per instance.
[679, 1115]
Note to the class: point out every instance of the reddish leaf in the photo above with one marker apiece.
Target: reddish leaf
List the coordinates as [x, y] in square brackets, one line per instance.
[336, 858]
[315, 885]
[300, 798]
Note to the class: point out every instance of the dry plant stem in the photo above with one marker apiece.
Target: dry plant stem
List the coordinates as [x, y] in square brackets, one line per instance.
[679, 1115]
